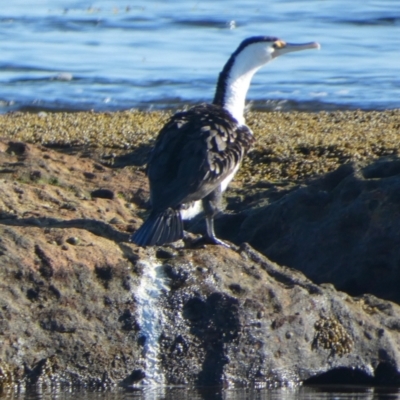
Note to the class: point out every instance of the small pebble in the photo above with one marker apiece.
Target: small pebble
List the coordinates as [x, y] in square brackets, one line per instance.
[115, 221]
[73, 240]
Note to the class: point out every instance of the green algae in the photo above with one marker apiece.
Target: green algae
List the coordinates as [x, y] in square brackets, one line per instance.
[290, 147]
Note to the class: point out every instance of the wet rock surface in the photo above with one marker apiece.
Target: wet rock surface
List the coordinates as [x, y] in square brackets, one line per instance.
[80, 305]
[253, 322]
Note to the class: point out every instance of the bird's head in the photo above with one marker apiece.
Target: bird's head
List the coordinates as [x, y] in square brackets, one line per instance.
[262, 49]
[254, 52]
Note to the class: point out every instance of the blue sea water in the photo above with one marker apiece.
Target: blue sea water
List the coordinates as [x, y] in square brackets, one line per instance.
[156, 54]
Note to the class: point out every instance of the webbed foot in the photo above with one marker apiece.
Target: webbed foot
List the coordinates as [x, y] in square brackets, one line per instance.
[215, 240]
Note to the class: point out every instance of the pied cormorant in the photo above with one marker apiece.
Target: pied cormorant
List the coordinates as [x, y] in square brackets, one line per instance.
[198, 151]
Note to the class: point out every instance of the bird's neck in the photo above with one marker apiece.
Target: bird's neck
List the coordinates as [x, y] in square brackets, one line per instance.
[233, 85]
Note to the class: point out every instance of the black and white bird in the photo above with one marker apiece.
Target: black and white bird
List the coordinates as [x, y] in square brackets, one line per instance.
[198, 152]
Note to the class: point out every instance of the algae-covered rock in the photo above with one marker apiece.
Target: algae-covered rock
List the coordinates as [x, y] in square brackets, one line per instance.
[80, 305]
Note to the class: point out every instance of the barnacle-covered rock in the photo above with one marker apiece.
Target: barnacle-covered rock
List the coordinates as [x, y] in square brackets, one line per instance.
[74, 291]
[331, 335]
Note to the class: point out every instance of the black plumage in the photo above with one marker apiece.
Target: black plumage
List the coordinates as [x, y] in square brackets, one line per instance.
[193, 154]
[198, 151]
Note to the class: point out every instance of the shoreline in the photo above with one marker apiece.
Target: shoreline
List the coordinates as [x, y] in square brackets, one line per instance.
[291, 146]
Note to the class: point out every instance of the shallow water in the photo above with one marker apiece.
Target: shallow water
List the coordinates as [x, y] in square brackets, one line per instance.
[176, 393]
[115, 55]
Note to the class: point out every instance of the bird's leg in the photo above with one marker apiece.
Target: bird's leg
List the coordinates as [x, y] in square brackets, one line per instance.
[211, 234]
[211, 206]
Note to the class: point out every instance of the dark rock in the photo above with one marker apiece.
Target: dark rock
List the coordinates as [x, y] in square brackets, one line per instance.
[236, 288]
[32, 294]
[73, 240]
[136, 376]
[165, 254]
[35, 175]
[104, 272]
[89, 175]
[128, 321]
[343, 229]
[17, 148]
[103, 194]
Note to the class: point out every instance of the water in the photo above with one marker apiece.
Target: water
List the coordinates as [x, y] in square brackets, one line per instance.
[176, 393]
[150, 318]
[147, 54]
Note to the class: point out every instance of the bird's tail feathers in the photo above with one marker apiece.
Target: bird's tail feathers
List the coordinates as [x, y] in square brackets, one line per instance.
[160, 228]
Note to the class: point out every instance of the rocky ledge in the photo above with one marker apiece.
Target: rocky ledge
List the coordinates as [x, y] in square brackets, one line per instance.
[80, 305]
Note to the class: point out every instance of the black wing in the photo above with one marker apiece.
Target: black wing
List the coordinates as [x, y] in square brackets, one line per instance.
[194, 152]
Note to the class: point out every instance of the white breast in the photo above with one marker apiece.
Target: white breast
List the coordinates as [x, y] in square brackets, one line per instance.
[227, 180]
[190, 212]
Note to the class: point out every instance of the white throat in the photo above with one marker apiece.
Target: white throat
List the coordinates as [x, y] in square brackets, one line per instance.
[236, 92]
[246, 64]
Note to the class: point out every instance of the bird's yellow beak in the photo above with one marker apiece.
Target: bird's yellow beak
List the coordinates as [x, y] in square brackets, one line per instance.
[281, 47]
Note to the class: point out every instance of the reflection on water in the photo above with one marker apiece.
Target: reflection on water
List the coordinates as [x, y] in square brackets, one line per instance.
[183, 393]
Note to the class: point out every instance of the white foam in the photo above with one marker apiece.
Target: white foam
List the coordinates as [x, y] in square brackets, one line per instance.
[150, 318]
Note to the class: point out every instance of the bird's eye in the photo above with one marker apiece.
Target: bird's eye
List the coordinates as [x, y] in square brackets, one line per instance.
[279, 44]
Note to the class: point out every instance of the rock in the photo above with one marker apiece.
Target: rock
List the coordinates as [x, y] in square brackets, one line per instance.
[103, 194]
[231, 318]
[342, 228]
[17, 148]
[73, 240]
[100, 311]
